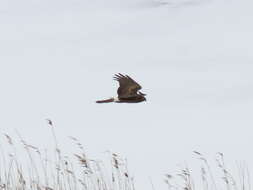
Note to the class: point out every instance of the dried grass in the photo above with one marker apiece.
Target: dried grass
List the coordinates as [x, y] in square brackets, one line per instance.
[40, 171]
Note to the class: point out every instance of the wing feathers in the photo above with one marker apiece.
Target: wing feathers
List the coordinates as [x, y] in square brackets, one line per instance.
[128, 87]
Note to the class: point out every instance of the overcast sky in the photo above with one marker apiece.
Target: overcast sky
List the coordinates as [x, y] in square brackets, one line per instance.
[193, 59]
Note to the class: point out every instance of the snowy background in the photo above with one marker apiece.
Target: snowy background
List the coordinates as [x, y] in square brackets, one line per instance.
[192, 57]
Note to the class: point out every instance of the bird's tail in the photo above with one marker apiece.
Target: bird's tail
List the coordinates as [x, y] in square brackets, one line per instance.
[105, 101]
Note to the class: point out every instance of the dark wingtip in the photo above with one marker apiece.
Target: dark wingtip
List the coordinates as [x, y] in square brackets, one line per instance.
[128, 77]
[115, 78]
[118, 76]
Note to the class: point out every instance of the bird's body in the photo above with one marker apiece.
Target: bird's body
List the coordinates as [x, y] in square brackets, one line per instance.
[128, 91]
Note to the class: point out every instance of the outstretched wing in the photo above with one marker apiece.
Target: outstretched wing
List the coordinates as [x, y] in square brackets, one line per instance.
[127, 86]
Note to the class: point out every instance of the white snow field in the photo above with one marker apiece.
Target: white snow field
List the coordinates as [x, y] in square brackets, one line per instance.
[193, 58]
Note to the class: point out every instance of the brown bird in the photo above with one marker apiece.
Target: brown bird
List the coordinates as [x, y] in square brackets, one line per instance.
[128, 91]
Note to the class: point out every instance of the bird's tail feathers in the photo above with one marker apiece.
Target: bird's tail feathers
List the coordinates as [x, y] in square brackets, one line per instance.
[105, 101]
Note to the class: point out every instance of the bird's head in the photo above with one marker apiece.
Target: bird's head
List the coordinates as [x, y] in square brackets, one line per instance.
[142, 96]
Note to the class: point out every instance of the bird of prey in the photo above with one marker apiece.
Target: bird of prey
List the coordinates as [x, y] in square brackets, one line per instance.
[128, 91]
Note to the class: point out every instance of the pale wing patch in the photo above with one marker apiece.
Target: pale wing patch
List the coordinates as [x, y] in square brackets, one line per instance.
[115, 99]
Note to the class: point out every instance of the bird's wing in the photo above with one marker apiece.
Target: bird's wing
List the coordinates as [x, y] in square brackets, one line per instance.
[127, 86]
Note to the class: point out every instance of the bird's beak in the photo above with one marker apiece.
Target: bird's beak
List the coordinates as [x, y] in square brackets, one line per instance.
[142, 93]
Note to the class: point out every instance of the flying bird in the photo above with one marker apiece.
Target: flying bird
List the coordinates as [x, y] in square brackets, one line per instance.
[128, 91]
